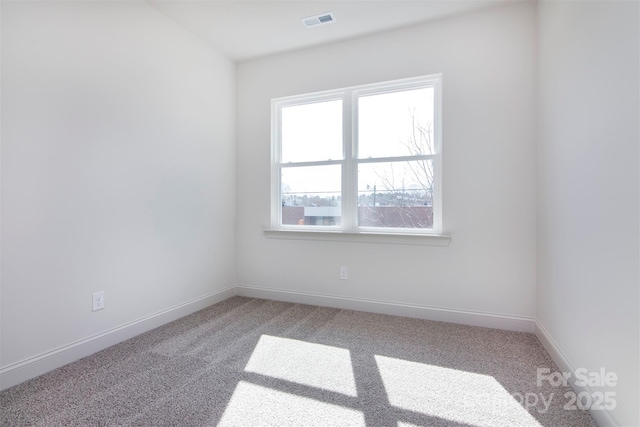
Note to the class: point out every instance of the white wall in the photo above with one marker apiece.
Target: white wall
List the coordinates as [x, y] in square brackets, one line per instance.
[489, 69]
[588, 189]
[118, 170]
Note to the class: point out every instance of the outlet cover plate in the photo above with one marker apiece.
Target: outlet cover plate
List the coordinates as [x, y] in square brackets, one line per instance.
[98, 300]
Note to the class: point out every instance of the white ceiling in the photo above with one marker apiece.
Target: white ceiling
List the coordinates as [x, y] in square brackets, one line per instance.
[244, 29]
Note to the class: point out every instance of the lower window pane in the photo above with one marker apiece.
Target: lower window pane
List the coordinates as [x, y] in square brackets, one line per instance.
[311, 195]
[396, 194]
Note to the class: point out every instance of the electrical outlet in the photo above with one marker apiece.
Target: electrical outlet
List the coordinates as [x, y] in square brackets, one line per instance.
[344, 273]
[98, 300]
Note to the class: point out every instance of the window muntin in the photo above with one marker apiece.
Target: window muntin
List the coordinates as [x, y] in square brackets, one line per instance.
[364, 158]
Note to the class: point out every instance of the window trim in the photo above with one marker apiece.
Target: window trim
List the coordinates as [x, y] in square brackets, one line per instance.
[349, 162]
[360, 237]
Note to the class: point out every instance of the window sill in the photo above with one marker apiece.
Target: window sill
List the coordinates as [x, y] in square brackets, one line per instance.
[362, 237]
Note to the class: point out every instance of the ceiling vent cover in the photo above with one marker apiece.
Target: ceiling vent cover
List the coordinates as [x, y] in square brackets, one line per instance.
[323, 18]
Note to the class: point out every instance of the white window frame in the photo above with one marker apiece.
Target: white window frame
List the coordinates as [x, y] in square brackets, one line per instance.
[349, 162]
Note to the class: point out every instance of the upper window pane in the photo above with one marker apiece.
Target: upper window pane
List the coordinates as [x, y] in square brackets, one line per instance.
[396, 124]
[312, 132]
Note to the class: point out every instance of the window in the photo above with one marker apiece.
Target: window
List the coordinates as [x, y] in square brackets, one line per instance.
[360, 159]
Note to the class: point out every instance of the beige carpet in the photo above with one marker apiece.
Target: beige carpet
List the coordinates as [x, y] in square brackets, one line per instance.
[251, 362]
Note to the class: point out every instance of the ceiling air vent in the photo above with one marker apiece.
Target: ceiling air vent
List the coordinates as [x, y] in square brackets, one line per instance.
[324, 18]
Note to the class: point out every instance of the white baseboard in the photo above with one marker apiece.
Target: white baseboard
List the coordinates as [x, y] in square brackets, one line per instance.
[602, 417]
[32, 367]
[487, 320]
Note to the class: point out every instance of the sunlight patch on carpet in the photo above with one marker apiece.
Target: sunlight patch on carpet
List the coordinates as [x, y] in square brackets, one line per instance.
[253, 405]
[450, 394]
[314, 365]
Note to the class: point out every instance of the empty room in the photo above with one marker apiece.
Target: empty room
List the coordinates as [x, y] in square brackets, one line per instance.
[363, 213]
